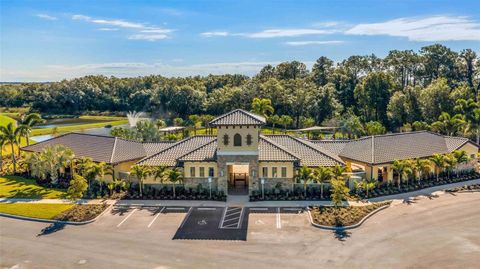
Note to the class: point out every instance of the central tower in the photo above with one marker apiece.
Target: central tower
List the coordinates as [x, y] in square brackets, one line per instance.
[238, 133]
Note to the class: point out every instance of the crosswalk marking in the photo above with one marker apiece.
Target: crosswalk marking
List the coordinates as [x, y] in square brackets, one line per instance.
[232, 218]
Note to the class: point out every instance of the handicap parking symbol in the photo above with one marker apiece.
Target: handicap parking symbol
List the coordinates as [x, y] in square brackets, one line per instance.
[202, 222]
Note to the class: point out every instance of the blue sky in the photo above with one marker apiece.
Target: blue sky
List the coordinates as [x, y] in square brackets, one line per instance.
[53, 40]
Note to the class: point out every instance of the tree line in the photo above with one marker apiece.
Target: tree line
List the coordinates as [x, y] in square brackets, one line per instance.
[395, 91]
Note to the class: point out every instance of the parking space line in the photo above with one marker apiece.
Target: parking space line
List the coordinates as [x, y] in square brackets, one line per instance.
[259, 208]
[156, 216]
[292, 209]
[206, 208]
[241, 218]
[279, 222]
[175, 208]
[186, 217]
[128, 216]
[223, 217]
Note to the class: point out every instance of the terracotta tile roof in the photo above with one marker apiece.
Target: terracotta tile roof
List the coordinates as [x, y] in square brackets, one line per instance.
[238, 117]
[333, 146]
[309, 154]
[399, 146]
[170, 155]
[100, 148]
[156, 147]
[271, 151]
[205, 153]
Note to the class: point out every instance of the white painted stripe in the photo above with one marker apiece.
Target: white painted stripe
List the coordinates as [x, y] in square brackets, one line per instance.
[220, 225]
[128, 216]
[156, 216]
[258, 208]
[240, 220]
[228, 220]
[235, 213]
[292, 209]
[175, 208]
[279, 222]
[207, 208]
[186, 217]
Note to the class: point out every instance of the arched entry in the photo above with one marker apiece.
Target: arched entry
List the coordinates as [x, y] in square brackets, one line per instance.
[238, 179]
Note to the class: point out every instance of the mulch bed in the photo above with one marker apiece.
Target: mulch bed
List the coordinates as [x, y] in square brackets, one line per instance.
[80, 213]
[342, 216]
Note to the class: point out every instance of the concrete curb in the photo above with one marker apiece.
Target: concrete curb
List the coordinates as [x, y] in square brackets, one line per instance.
[335, 228]
[56, 221]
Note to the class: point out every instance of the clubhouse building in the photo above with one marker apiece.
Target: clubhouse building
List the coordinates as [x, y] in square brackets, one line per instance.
[238, 159]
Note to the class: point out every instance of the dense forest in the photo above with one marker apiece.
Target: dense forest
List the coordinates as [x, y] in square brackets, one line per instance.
[406, 89]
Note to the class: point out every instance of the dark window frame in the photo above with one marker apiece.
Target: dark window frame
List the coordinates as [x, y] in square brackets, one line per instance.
[237, 140]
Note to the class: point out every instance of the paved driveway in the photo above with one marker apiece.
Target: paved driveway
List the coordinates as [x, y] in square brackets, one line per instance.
[429, 233]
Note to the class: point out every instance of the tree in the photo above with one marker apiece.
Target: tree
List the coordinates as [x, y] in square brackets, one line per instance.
[438, 161]
[51, 162]
[158, 172]
[262, 107]
[324, 104]
[367, 185]
[438, 61]
[285, 121]
[27, 123]
[174, 175]
[196, 121]
[322, 175]
[78, 186]
[305, 176]
[435, 99]
[11, 135]
[450, 163]
[321, 71]
[421, 167]
[291, 70]
[178, 121]
[274, 120]
[373, 95]
[449, 125]
[403, 169]
[375, 128]
[140, 172]
[340, 191]
[461, 157]
[351, 125]
[2, 143]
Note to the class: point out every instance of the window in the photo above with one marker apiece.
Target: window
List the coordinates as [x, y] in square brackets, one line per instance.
[249, 139]
[265, 171]
[274, 172]
[237, 140]
[192, 171]
[202, 171]
[472, 156]
[211, 172]
[284, 172]
[225, 140]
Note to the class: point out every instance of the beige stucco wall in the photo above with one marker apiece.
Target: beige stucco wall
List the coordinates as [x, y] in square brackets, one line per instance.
[197, 165]
[243, 131]
[279, 165]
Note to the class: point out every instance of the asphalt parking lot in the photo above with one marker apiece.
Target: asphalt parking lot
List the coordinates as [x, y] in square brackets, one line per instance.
[203, 223]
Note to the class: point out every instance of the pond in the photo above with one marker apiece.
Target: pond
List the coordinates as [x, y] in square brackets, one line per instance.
[93, 131]
[51, 123]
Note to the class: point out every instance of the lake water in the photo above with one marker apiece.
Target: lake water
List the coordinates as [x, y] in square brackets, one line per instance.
[94, 131]
[50, 123]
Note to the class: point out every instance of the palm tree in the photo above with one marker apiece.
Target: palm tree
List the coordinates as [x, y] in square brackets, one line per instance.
[450, 163]
[274, 120]
[439, 161]
[322, 175]
[422, 167]
[285, 120]
[27, 123]
[402, 168]
[449, 125]
[174, 175]
[195, 119]
[2, 143]
[10, 135]
[305, 176]
[140, 172]
[461, 157]
[158, 172]
[262, 106]
[338, 171]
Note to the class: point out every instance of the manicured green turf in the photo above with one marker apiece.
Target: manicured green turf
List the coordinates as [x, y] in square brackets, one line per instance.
[19, 187]
[4, 120]
[71, 128]
[42, 211]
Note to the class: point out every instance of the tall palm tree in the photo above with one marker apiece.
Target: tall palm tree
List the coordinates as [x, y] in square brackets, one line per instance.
[402, 168]
[422, 167]
[27, 123]
[438, 161]
[450, 163]
[274, 120]
[262, 106]
[461, 157]
[2, 143]
[322, 175]
[304, 176]
[338, 171]
[11, 134]
[449, 125]
[285, 120]
[174, 175]
[140, 172]
[158, 172]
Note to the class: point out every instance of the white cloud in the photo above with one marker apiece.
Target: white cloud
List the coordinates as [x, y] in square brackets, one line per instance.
[157, 31]
[211, 34]
[434, 28]
[313, 42]
[153, 37]
[272, 33]
[47, 17]
[107, 29]
[118, 23]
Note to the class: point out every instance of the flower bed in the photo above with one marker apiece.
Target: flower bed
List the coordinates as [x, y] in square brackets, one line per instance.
[297, 194]
[391, 189]
[342, 216]
[80, 213]
[166, 193]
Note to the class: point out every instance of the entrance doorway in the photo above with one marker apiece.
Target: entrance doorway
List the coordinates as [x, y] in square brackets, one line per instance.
[238, 179]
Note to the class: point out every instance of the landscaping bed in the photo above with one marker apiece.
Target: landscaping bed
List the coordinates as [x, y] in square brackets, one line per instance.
[34, 210]
[80, 213]
[475, 187]
[342, 216]
[166, 193]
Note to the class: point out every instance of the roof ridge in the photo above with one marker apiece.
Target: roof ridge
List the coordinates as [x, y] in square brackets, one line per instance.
[279, 146]
[258, 118]
[113, 150]
[326, 153]
[196, 149]
[165, 149]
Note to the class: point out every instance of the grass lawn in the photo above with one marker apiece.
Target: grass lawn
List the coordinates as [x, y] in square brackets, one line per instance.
[19, 187]
[4, 120]
[342, 216]
[42, 211]
[113, 121]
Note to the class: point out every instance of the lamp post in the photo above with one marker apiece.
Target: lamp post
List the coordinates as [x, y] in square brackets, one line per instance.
[210, 186]
[262, 181]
